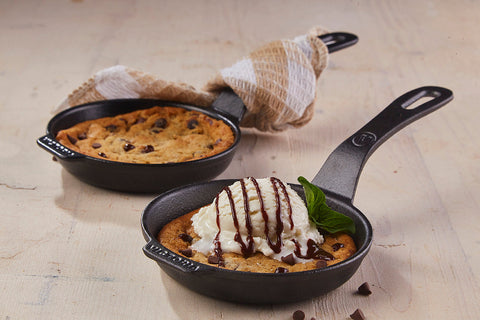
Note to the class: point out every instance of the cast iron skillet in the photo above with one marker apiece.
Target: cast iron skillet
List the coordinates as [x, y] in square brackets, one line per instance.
[134, 177]
[153, 178]
[338, 178]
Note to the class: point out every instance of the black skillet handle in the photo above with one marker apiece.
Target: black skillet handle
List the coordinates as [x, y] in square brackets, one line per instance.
[57, 149]
[341, 171]
[230, 105]
[338, 40]
[159, 253]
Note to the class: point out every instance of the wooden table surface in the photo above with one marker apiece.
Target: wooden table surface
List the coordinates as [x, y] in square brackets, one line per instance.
[72, 251]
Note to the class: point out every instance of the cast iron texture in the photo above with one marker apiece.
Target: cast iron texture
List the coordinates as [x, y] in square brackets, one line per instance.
[338, 179]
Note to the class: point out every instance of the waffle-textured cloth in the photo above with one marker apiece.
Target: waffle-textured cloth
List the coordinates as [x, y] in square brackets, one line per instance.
[276, 82]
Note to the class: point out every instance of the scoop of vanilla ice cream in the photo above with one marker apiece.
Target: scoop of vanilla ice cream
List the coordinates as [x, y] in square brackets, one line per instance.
[284, 218]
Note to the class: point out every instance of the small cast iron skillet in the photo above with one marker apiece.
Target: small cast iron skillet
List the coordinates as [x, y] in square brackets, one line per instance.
[135, 177]
[338, 178]
[153, 178]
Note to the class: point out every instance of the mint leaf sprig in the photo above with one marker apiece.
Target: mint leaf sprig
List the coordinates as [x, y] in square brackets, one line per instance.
[322, 215]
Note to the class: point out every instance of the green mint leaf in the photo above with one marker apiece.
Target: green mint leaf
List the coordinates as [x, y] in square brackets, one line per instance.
[321, 214]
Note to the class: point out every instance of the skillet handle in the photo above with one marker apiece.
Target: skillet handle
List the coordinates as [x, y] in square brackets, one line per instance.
[341, 171]
[57, 149]
[229, 104]
[161, 254]
[338, 40]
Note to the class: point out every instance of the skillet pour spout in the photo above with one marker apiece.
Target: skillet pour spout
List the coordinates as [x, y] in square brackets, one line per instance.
[338, 178]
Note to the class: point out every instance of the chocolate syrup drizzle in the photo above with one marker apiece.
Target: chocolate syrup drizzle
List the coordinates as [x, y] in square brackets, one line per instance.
[313, 250]
[218, 245]
[247, 249]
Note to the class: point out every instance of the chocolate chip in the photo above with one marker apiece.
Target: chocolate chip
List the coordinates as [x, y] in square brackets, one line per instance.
[161, 123]
[96, 145]
[101, 154]
[111, 127]
[147, 149]
[210, 146]
[54, 159]
[357, 315]
[71, 139]
[186, 252]
[185, 237]
[281, 270]
[127, 147]
[323, 255]
[290, 259]
[192, 124]
[298, 315]
[140, 120]
[321, 264]
[364, 289]
[82, 136]
[337, 246]
[213, 260]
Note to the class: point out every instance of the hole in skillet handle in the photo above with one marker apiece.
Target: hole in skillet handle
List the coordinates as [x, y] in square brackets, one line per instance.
[416, 104]
[336, 41]
[421, 96]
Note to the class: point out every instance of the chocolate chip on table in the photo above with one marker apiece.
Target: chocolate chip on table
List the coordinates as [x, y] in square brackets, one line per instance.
[337, 246]
[82, 136]
[321, 264]
[147, 149]
[281, 270]
[103, 155]
[192, 124]
[71, 139]
[213, 260]
[54, 159]
[298, 315]
[111, 127]
[128, 146]
[161, 123]
[364, 289]
[290, 259]
[357, 315]
[96, 145]
[186, 252]
[185, 237]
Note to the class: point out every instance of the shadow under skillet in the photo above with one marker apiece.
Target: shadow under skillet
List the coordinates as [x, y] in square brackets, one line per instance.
[387, 274]
[96, 205]
[189, 305]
